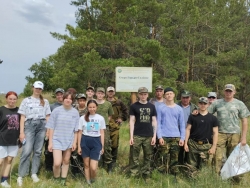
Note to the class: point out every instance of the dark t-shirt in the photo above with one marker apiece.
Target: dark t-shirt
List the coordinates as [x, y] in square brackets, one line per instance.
[202, 127]
[55, 105]
[143, 118]
[9, 126]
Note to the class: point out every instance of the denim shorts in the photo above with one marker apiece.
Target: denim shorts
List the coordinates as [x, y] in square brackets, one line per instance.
[91, 147]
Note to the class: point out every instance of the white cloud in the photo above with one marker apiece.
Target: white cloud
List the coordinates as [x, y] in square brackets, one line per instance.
[25, 36]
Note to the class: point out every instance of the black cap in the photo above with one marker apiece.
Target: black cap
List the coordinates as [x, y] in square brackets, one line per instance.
[168, 89]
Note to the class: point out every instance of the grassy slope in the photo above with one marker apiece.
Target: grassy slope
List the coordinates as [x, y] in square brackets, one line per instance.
[205, 179]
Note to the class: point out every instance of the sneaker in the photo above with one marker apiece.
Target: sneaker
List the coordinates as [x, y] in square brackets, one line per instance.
[19, 181]
[5, 184]
[35, 178]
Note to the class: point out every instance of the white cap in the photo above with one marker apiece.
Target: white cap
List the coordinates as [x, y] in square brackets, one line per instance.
[38, 84]
[110, 88]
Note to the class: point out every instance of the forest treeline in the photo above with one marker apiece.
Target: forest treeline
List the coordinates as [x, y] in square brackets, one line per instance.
[191, 44]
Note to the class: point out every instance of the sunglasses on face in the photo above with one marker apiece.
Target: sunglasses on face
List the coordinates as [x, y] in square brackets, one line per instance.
[228, 90]
[211, 97]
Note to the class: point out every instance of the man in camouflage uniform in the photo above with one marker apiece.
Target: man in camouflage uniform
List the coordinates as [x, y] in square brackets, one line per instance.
[188, 108]
[229, 112]
[201, 135]
[170, 132]
[120, 115]
[105, 109]
[143, 127]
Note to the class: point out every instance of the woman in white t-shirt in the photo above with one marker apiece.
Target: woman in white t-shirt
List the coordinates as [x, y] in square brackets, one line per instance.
[34, 111]
[91, 140]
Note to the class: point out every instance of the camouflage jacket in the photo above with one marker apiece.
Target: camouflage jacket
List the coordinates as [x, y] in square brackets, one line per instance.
[120, 111]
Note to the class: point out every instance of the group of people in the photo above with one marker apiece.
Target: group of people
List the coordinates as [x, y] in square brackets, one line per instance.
[169, 133]
[184, 133]
[74, 123]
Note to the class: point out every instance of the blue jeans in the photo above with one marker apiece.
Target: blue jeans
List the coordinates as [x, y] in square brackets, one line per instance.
[34, 131]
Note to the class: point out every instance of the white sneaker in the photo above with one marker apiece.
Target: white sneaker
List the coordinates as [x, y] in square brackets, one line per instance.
[5, 184]
[19, 181]
[35, 178]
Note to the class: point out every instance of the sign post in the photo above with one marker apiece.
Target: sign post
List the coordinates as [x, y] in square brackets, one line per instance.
[129, 79]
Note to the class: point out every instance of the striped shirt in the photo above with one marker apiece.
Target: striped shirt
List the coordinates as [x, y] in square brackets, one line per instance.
[65, 123]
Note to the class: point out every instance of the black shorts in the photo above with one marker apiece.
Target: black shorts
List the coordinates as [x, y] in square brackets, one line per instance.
[91, 147]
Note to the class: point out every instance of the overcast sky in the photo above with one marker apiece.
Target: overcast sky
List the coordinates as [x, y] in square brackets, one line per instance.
[25, 39]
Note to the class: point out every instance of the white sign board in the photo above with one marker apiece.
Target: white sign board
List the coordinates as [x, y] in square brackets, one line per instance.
[129, 79]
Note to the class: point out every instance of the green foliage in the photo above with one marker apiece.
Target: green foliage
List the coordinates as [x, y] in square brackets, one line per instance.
[203, 42]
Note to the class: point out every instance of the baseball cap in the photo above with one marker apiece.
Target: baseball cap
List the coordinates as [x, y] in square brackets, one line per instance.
[211, 94]
[90, 87]
[185, 93]
[168, 89]
[110, 88]
[142, 90]
[59, 90]
[159, 87]
[100, 89]
[81, 95]
[230, 87]
[38, 84]
[203, 100]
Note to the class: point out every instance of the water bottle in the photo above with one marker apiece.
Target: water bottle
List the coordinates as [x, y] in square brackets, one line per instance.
[24, 141]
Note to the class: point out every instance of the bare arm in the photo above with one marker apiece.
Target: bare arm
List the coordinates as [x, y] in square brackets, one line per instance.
[102, 139]
[131, 126]
[75, 140]
[51, 133]
[79, 137]
[188, 128]
[243, 140]
[47, 130]
[22, 135]
[215, 140]
[154, 124]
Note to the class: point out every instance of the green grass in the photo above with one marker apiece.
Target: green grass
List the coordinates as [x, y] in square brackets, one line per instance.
[206, 178]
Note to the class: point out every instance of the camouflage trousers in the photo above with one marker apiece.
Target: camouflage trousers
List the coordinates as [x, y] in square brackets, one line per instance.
[225, 145]
[107, 156]
[168, 155]
[147, 148]
[114, 136]
[198, 155]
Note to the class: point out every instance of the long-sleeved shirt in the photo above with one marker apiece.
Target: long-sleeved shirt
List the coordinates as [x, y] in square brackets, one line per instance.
[170, 121]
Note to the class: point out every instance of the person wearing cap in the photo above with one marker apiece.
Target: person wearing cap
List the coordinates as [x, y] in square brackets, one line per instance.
[201, 135]
[143, 127]
[212, 96]
[81, 107]
[170, 132]
[105, 109]
[35, 111]
[188, 108]
[120, 115]
[59, 98]
[49, 155]
[230, 111]
[158, 99]
[90, 92]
